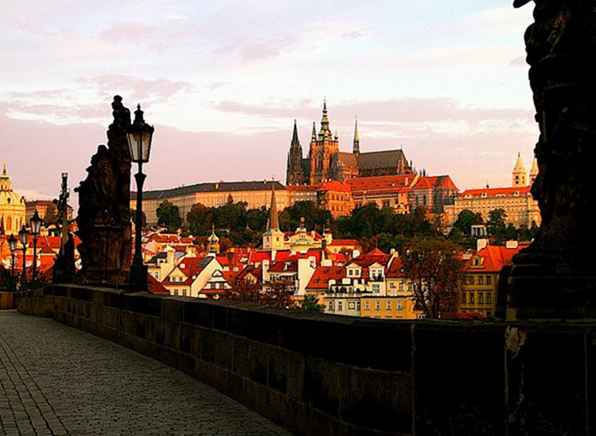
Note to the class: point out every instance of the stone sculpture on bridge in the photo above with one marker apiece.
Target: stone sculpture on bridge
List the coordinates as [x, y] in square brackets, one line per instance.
[555, 277]
[104, 207]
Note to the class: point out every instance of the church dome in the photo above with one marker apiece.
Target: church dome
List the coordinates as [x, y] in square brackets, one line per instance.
[12, 206]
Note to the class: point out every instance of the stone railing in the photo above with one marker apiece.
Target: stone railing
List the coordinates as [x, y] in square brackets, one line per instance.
[331, 375]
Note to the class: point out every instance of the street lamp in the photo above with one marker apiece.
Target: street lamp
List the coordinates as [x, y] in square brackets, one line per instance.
[139, 137]
[35, 222]
[12, 245]
[23, 239]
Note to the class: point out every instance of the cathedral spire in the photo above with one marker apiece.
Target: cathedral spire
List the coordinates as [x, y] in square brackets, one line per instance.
[273, 217]
[314, 132]
[295, 140]
[325, 131]
[356, 149]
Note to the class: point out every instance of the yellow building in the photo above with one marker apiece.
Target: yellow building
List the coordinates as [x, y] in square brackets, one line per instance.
[12, 206]
[478, 293]
[517, 201]
[256, 194]
[388, 307]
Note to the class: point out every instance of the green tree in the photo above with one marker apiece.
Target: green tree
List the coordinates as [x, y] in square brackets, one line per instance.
[168, 215]
[230, 216]
[496, 221]
[199, 219]
[314, 216]
[310, 303]
[434, 268]
[466, 219]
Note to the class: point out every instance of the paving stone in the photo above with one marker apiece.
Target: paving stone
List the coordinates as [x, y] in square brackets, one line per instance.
[56, 380]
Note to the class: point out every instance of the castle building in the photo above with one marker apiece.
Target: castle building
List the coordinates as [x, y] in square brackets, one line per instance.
[325, 162]
[12, 206]
[517, 201]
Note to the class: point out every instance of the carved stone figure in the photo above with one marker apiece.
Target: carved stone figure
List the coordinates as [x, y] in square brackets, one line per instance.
[104, 207]
[555, 277]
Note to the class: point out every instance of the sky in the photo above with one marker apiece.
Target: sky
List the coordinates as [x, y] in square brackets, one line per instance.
[223, 81]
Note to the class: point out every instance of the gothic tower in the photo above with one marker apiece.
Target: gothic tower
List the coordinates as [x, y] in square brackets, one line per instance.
[322, 150]
[294, 172]
[534, 171]
[356, 148]
[273, 238]
[519, 174]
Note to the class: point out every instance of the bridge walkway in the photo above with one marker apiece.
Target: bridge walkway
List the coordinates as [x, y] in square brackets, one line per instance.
[56, 380]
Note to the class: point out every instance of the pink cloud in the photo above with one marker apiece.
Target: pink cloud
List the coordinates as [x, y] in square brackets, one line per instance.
[394, 110]
[128, 33]
[135, 88]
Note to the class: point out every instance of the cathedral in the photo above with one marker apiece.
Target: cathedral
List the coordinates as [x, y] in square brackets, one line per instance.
[325, 162]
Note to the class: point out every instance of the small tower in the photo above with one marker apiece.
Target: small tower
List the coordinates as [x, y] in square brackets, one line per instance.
[533, 171]
[213, 243]
[519, 174]
[356, 148]
[273, 238]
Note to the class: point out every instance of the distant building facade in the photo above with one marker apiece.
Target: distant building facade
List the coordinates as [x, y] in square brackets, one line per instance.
[517, 201]
[325, 162]
[255, 193]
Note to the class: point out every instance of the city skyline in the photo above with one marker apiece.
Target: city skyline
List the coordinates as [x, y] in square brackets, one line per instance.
[223, 102]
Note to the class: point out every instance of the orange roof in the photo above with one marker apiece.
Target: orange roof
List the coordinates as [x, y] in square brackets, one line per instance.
[344, 242]
[395, 270]
[190, 267]
[155, 287]
[429, 182]
[322, 275]
[380, 183]
[373, 256]
[494, 258]
[493, 192]
[334, 185]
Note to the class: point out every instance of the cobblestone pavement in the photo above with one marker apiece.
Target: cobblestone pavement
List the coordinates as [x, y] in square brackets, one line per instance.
[56, 380]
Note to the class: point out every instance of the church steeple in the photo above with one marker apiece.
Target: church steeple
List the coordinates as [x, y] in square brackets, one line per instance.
[356, 149]
[519, 174]
[295, 140]
[295, 172]
[325, 132]
[273, 217]
[313, 137]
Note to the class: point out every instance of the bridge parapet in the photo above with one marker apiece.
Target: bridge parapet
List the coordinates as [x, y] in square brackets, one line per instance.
[319, 374]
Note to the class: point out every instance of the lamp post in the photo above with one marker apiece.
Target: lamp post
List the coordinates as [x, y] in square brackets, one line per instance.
[12, 245]
[139, 137]
[35, 222]
[23, 240]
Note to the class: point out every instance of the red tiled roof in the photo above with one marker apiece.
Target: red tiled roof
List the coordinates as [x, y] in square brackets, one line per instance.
[190, 267]
[495, 257]
[493, 192]
[373, 256]
[395, 269]
[379, 182]
[429, 182]
[155, 287]
[336, 186]
[322, 275]
[344, 242]
[286, 266]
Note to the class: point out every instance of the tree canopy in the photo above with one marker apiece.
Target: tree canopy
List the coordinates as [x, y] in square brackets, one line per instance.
[168, 215]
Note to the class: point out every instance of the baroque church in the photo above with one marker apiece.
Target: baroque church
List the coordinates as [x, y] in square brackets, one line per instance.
[325, 162]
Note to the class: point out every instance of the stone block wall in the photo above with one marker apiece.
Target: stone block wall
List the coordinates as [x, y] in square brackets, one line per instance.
[329, 375]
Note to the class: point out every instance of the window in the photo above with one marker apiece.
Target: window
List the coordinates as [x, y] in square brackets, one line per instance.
[366, 305]
[378, 306]
[376, 288]
[184, 292]
[388, 305]
[489, 280]
[339, 306]
[358, 305]
[471, 298]
[331, 306]
[480, 297]
[351, 305]
[399, 307]
[489, 298]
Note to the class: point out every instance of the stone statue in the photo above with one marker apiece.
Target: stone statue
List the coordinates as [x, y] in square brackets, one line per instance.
[555, 277]
[104, 207]
[64, 267]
